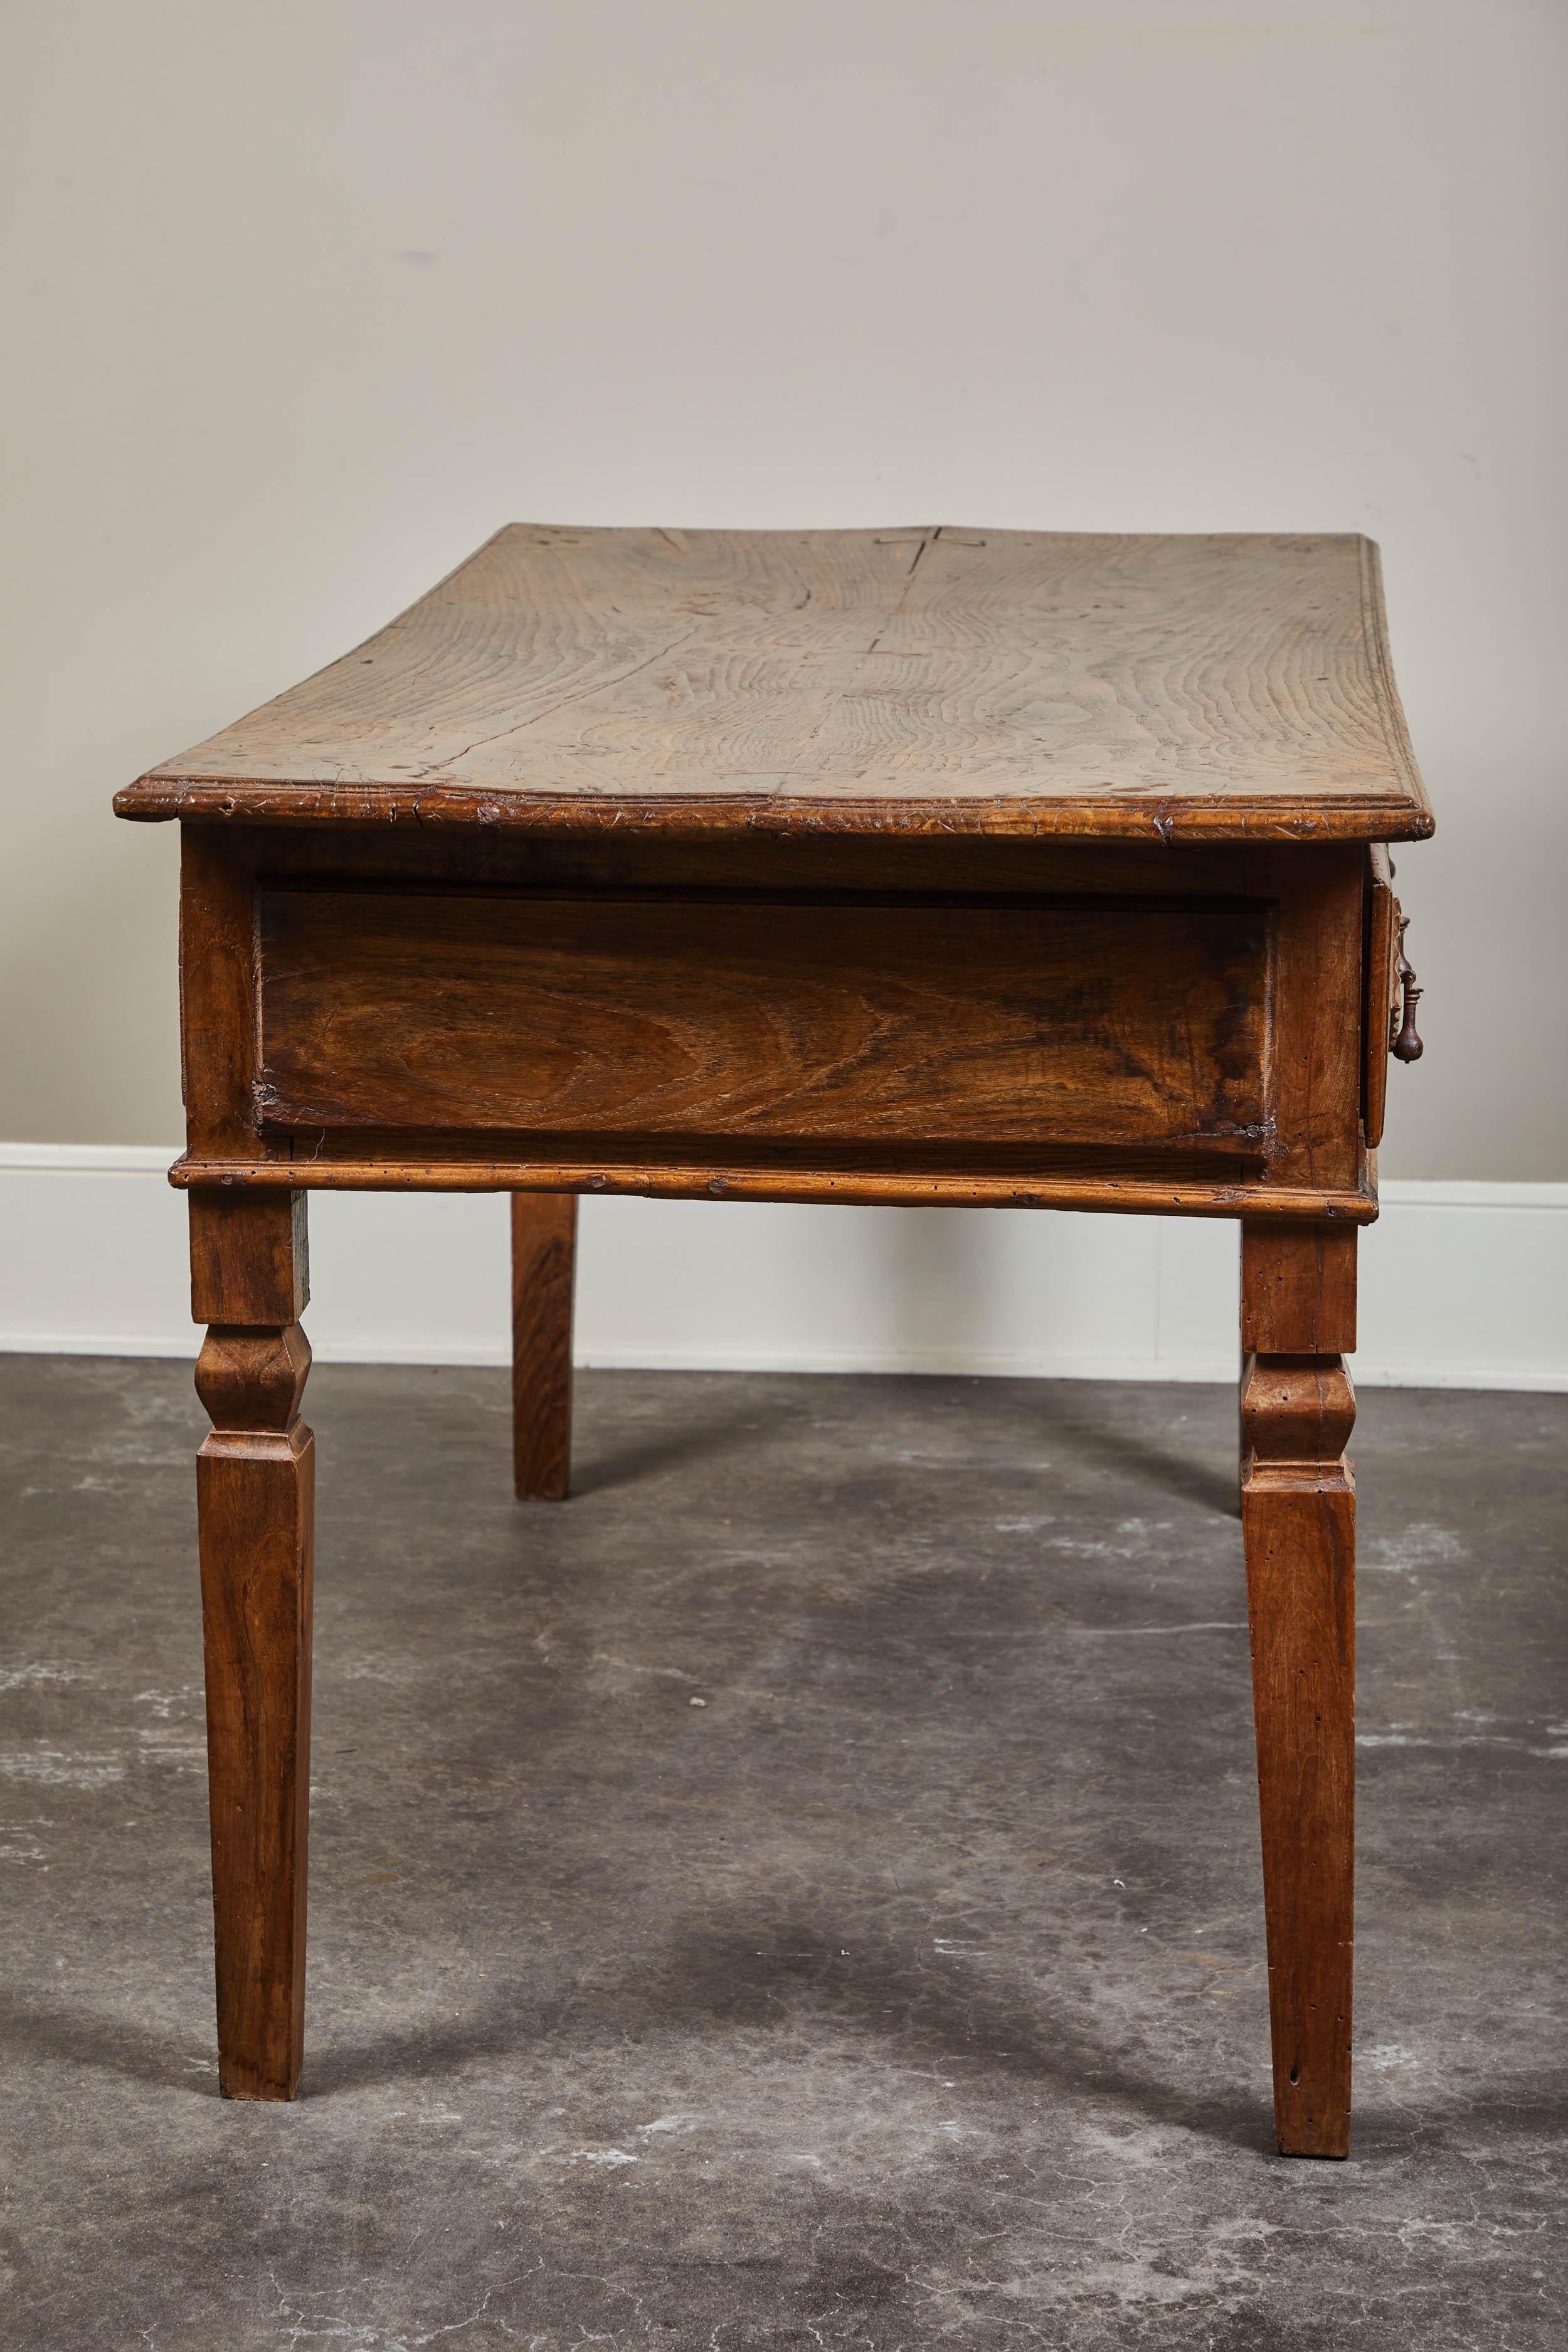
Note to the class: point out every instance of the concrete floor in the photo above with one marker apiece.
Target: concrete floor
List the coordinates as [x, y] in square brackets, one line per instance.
[804, 1892]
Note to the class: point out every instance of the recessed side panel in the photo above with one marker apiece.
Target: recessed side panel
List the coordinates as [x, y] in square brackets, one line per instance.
[879, 1021]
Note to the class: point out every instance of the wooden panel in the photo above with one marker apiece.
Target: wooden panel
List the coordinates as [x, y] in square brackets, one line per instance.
[1316, 1061]
[783, 1021]
[217, 992]
[930, 678]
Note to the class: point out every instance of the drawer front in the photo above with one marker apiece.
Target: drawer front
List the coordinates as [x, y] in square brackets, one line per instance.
[878, 1022]
[1382, 990]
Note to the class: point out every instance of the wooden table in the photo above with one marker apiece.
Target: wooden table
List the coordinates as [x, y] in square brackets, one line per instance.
[1001, 868]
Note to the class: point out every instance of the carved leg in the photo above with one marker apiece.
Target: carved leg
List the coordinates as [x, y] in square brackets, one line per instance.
[544, 1268]
[254, 1491]
[1298, 1512]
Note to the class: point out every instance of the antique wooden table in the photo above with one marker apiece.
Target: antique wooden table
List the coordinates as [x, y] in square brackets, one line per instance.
[1002, 869]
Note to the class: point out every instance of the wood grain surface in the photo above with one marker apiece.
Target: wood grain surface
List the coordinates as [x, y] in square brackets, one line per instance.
[759, 1018]
[930, 678]
[544, 1276]
[249, 1266]
[1297, 1289]
[256, 1496]
[1298, 1516]
[255, 1508]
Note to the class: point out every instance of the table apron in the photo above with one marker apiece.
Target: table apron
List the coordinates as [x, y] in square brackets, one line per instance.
[682, 1023]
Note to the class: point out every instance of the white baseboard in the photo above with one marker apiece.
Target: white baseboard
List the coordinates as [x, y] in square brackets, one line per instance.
[1463, 1284]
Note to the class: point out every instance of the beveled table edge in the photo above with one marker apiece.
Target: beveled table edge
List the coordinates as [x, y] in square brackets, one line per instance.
[196, 800]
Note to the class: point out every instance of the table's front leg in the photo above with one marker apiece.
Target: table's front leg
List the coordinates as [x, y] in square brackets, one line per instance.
[1298, 1510]
[256, 1494]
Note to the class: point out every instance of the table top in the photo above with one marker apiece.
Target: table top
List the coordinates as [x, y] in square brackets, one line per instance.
[928, 680]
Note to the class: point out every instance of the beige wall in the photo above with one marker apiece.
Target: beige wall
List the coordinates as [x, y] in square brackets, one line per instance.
[302, 299]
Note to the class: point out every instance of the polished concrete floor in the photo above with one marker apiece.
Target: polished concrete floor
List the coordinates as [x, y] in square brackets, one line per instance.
[802, 1892]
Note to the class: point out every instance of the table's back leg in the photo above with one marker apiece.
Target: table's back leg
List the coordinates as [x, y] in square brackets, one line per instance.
[1298, 1511]
[544, 1270]
[255, 1491]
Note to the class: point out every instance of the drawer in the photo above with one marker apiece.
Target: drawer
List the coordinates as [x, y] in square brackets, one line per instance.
[1391, 993]
[875, 1021]
[1382, 990]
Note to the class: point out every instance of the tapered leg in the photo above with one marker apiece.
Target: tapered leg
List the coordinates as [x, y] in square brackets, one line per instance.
[255, 1493]
[1298, 1512]
[544, 1270]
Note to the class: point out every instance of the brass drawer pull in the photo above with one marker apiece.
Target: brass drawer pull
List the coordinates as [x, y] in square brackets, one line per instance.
[1403, 1042]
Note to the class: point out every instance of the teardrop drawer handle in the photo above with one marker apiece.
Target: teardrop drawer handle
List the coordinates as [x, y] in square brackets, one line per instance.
[1403, 1042]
